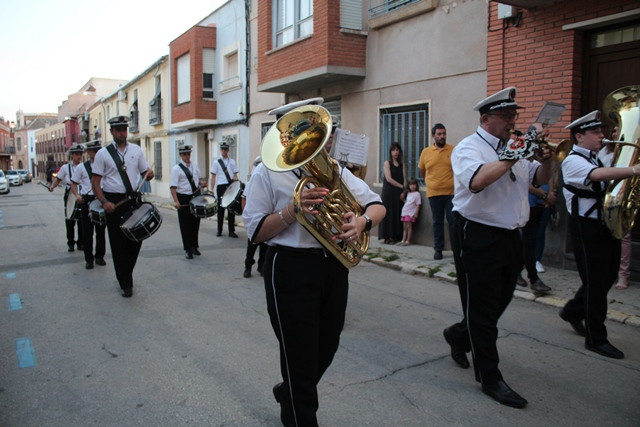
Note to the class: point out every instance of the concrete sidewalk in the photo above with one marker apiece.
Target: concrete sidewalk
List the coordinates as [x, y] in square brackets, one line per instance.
[624, 305]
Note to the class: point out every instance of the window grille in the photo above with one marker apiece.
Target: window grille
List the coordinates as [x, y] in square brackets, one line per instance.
[157, 159]
[409, 127]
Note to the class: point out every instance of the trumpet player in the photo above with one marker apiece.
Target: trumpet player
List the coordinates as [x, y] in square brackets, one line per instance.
[306, 285]
[596, 251]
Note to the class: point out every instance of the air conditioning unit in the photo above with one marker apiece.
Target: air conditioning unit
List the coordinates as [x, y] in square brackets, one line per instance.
[122, 95]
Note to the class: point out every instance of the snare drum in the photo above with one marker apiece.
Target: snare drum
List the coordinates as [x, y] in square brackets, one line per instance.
[232, 197]
[96, 213]
[203, 206]
[72, 210]
[141, 222]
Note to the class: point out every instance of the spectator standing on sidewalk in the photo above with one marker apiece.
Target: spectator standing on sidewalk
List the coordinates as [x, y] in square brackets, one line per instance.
[393, 184]
[435, 168]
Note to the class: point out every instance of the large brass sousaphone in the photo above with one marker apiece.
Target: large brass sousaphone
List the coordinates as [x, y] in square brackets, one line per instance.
[622, 198]
[297, 140]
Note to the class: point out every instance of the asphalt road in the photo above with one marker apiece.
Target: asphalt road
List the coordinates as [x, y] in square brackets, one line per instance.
[194, 345]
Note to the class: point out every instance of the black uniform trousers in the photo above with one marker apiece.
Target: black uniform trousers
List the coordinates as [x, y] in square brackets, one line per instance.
[220, 189]
[488, 261]
[123, 251]
[251, 251]
[88, 228]
[189, 224]
[529, 240]
[306, 294]
[71, 224]
[597, 255]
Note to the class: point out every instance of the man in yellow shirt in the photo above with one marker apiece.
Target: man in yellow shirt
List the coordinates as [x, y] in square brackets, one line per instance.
[435, 168]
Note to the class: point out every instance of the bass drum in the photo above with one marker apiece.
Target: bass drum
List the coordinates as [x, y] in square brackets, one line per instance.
[72, 210]
[141, 222]
[203, 206]
[232, 197]
[96, 213]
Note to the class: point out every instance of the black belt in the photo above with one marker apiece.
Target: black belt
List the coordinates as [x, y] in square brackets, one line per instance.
[306, 251]
[88, 197]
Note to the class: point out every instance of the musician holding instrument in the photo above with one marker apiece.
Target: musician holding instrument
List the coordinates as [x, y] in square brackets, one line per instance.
[223, 172]
[596, 250]
[117, 197]
[184, 184]
[490, 204]
[82, 191]
[64, 175]
[306, 282]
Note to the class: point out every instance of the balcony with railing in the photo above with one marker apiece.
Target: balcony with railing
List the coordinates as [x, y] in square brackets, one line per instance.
[386, 12]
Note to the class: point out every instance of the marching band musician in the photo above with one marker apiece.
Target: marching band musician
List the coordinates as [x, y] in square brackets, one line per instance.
[596, 251]
[184, 184]
[81, 189]
[110, 189]
[490, 204]
[223, 173]
[64, 174]
[306, 286]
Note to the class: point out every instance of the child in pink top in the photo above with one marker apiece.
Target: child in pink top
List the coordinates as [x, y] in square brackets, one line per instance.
[410, 211]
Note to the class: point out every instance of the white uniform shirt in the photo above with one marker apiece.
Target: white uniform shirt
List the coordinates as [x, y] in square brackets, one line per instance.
[81, 177]
[179, 180]
[268, 192]
[104, 166]
[504, 203]
[575, 172]
[216, 169]
[64, 175]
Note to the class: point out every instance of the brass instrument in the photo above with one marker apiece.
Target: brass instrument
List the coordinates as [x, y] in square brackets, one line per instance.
[622, 198]
[561, 149]
[297, 140]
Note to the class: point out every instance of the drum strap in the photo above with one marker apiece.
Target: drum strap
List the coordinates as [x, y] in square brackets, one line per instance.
[224, 169]
[187, 172]
[125, 178]
[87, 166]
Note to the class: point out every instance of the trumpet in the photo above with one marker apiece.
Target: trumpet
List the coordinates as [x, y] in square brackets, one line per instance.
[560, 150]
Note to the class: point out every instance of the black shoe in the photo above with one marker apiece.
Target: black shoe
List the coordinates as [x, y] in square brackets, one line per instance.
[503, 394]
[285, 404]
[196, 251]
[100, 261]
[576, 324]
[437, 255]
[219, 233]
[538, 287]
[232, 234]
[520, 281]
[188, 254]
[71, 248]
[247, 272]
[606, 349]
[459, 356]
[88, 265]
[126, 292]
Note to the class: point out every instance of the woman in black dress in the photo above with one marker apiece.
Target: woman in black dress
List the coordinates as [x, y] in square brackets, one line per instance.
[393, 183]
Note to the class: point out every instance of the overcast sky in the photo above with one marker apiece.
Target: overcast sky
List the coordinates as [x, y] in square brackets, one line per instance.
[51, 48]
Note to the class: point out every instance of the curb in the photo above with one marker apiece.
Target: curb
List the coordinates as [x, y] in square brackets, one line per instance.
[446, 272]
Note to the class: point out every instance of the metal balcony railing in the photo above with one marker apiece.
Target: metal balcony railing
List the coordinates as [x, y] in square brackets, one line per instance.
[388, 6]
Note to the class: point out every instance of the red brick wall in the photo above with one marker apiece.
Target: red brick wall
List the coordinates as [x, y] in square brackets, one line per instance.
[192, 42]
[327, 46]
[540, 58]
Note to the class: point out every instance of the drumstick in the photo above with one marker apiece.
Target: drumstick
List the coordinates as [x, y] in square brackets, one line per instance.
[43, 184]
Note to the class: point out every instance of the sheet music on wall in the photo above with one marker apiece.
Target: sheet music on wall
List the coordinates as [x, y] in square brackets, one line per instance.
[350, 147]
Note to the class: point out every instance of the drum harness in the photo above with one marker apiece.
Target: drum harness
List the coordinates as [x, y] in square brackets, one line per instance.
[131, 195]
[187, 172]
[596, 193]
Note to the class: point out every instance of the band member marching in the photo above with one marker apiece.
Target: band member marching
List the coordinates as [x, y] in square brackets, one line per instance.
[114, 170]
[306, 285]
[64, 175]
[82, 191]
[597, 252]
[184, 185]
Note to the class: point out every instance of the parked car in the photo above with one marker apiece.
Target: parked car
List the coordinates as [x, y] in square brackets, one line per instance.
[4, 184]
[14, 177]
[25, 174]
